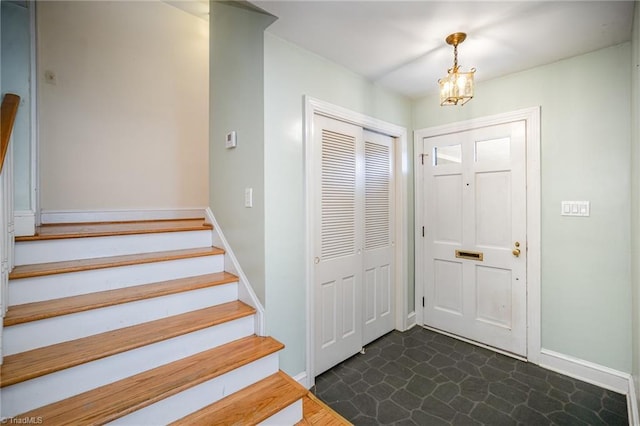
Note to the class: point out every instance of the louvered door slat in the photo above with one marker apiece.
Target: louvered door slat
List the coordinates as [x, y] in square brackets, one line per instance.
[338, 194]
[377, 195]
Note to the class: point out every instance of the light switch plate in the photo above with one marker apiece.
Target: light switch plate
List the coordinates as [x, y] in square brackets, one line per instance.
[248, 197]
[575, 208]
[231, 140]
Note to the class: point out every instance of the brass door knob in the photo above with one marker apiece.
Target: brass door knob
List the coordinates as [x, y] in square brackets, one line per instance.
[516, 251]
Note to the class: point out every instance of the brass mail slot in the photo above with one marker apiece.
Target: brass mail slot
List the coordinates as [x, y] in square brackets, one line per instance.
[471, 255]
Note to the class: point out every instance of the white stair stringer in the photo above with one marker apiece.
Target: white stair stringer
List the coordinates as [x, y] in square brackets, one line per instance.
[36, 289]
[245, 291]
[36, 334]
[59, 250]
[178, 406]
[62, 384]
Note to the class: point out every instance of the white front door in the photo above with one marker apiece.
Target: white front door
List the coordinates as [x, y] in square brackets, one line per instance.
[353, 216]
[475, 235]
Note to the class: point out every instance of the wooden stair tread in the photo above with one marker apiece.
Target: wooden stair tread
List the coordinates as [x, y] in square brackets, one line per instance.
[317, 413]
[104, 229]
[250, 405]
[42, 269]
[35, 311]
[123, 397]
[38, 362]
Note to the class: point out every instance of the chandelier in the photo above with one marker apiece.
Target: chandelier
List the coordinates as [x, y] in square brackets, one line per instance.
[457, 87]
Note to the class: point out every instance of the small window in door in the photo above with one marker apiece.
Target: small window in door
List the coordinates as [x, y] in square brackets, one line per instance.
[493, 150]
[451, 154]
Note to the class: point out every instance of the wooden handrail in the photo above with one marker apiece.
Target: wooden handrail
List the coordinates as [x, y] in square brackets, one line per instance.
[8, 113]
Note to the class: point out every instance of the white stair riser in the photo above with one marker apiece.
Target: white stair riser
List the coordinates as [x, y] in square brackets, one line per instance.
[53, 387]
[197, 397]
[289, 415]
[36, 334]
[48, 287]
[58, 250]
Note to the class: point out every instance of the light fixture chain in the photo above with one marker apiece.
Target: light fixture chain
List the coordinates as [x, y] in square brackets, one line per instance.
[455, 57]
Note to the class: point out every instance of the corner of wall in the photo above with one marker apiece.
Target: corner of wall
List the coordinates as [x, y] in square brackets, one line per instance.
[635, 213]
[237, 104]
[632, 401]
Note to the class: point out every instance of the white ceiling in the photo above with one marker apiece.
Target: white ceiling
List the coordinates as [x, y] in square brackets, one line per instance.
[400, 44]
[199, 8]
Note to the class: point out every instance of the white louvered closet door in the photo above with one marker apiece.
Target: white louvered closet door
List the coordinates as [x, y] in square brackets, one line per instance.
[352, 224]
[378, 240]
[338, 241]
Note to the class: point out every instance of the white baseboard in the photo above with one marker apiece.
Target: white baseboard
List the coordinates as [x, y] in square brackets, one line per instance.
[586, 371]
[302, 378]
[411, 321]
[85, 216]
[24, 223]
[595, 374]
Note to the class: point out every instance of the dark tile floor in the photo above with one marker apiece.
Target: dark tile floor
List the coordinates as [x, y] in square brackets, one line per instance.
[424, 378]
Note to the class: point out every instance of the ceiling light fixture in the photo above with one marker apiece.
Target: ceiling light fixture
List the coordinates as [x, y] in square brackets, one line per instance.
[457, 87]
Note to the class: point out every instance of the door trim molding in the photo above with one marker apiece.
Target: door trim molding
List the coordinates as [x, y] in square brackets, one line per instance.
[34, 195]
[314, 106]
[531, 116]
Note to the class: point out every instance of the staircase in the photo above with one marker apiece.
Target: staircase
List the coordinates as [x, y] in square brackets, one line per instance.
[137, 323]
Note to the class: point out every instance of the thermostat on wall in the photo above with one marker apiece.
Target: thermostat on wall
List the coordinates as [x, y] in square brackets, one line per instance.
[231, 140]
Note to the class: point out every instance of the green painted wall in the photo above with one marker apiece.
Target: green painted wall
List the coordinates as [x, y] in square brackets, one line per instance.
[16, 68]
[237, 103]
[257, 86]
[291, 73]
[586, 144]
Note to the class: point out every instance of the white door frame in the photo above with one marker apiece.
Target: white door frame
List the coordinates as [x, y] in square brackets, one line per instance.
[35, 144]
[531, 116]
[314, 106]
